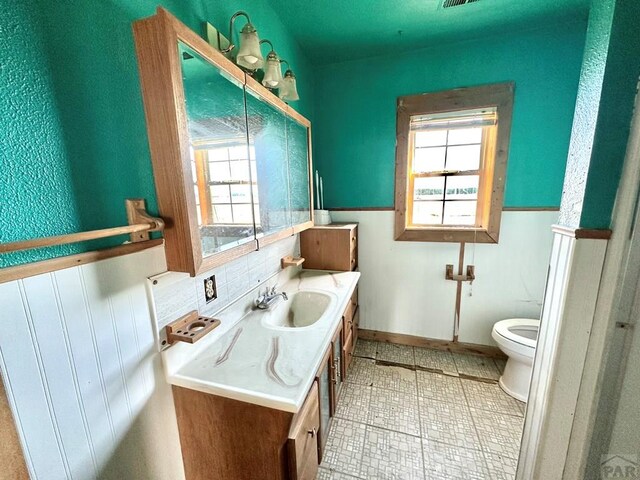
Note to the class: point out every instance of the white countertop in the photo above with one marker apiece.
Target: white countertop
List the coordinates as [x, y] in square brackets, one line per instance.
[257, 364]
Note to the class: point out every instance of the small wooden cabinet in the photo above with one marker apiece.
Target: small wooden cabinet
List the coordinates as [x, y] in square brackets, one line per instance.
[330, 247]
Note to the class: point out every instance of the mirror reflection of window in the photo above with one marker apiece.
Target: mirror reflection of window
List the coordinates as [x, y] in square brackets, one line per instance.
[224, 177]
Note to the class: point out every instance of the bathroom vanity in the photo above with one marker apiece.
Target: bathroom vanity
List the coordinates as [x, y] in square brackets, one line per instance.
[256, 400]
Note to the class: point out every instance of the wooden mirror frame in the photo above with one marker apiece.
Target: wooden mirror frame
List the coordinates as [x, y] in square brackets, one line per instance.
[156, 41]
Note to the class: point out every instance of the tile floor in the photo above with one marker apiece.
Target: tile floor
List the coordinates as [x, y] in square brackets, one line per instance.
[417, 413]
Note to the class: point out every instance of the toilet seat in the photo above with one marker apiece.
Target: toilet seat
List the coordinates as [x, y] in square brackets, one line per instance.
[508, 329]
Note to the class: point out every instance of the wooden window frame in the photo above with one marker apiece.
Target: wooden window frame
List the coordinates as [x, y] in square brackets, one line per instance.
[494, 157]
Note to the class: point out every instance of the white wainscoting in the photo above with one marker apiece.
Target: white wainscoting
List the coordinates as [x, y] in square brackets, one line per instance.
[569, 307]
[403, 289]
[83, 376]
[80, 363]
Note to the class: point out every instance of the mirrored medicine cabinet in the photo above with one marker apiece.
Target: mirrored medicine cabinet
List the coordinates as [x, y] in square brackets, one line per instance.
[231, 161]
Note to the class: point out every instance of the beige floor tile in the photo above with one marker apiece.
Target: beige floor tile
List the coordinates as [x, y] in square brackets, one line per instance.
[499, 433]
[354, 402]
[394, 411]
[500, 364]
[329, 474]
[344, 447]
[400, 379]
[448, 462]
[500, 467]
[488, 396]
[390, 352]
[448, 423]
[389, 454]
[476, 366]
[361, 371]
[365, 348]
[435, 359]
[440, 387]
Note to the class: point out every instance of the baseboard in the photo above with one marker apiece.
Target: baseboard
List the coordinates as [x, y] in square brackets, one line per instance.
[413, 341]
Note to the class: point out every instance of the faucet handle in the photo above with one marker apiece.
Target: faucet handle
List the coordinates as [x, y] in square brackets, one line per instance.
[273, 290]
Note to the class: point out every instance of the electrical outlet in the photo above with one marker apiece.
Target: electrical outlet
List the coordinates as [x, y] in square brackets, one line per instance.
[210, 290]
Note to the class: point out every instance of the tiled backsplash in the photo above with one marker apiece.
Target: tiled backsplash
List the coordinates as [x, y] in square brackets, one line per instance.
[175, 294]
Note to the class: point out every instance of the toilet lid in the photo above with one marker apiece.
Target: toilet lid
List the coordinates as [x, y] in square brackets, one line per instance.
[528, 330]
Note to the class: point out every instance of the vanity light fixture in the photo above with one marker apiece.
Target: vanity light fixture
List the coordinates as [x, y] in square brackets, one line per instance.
[288, 90]
[272, 70]
[249, 55]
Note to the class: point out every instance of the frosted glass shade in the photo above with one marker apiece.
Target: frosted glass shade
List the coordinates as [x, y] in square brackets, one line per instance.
[272, 72]
[249, 55]
[288, 90]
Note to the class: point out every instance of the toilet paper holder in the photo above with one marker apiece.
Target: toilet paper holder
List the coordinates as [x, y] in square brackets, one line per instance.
[469, 277]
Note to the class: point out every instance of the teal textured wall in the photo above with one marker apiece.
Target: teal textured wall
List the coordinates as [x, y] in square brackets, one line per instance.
[355, 118]
[72, 110]
[35, 194]
[619, 86]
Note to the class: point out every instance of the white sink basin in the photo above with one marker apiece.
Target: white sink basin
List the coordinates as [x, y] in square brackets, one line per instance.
[303, 309]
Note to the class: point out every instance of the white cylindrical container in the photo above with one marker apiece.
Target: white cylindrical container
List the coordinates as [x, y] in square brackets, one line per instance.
[321, 217]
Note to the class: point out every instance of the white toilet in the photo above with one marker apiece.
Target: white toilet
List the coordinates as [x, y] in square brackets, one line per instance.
[517, 338]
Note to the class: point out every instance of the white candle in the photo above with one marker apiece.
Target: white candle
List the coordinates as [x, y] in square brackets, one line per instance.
[321, 196]
[317, 191]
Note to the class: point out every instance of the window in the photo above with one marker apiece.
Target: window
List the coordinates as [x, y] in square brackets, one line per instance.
[224, 182]
[451, 157]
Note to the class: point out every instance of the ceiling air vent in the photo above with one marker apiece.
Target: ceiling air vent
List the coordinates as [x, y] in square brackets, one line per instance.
[456, 3]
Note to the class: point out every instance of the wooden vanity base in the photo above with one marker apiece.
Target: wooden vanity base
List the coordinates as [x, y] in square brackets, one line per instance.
[229, 439]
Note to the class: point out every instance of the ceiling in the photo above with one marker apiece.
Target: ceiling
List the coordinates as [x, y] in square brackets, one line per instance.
[336, 30]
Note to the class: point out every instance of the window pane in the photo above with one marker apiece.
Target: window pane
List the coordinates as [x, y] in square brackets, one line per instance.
[218, 154]
[222, 214]
[464, 187]
[242, 213]
[431, 138]
[197, 193]
[220, 194]
[219, 171]
[429, 159]
[193, 172]
[238, 153]
[430, 188]
[240, 171]
[427, 213]
[463, 158]
[241, 194]
[460, 213]
[463, 136]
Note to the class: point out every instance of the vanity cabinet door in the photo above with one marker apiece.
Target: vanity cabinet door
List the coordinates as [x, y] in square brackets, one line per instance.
[336, 369]
[302, 444]
[325, 386]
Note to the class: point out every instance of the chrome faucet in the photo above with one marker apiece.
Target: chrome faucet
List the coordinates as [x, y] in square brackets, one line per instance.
[268, 299]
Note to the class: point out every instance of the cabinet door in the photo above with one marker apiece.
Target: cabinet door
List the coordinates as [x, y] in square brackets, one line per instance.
[268, 146]
[336, 367]
[299, 138]
[303, 439]
[221, 179]
[324, 386]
